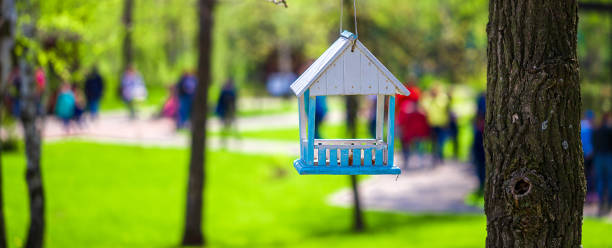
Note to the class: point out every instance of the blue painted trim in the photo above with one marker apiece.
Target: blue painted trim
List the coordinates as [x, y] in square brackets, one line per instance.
[312, 102]
[302, 151]
[322, 157]
[306, 98]
[391, 131]
[303, 169]
[379, 157]
[367, 157]
[344, 157]
[357, 157]
[333, 157]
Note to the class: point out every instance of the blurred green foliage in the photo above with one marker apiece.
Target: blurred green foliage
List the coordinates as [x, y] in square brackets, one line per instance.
[433, 41]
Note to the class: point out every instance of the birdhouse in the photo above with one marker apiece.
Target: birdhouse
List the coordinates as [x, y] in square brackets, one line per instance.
[347, 68]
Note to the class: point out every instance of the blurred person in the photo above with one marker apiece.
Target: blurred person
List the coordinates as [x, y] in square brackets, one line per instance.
[64, 106]
[79, 104]
[14, 94]
[436, 106]
[185, 89]
[41, 83]
[412, 128]
[478, 153]
[586, 132]
[320, 113]
[453, 126]
[132, 88]
[227, 107]
[371, 99]
[602, 161]
[94, 90]
[171, 105]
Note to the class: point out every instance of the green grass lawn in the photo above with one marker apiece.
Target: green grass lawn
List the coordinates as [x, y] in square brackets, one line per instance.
[123, 196]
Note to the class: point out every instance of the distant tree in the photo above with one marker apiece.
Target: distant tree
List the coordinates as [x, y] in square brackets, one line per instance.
[8, 19]
[352, 107]
[193, 217]
[535, 183]
[128, 16]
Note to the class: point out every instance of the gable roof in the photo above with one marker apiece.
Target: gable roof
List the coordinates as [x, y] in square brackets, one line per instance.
[335, 53]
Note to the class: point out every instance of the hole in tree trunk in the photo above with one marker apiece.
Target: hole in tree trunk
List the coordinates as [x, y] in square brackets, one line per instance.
[521, 187]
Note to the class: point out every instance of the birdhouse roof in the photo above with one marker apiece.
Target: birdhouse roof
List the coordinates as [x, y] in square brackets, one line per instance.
[346, 70]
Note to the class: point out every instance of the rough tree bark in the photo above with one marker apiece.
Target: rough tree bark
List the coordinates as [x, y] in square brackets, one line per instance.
[193, 219]
[128, 13]
[535, 183]
[8, 19]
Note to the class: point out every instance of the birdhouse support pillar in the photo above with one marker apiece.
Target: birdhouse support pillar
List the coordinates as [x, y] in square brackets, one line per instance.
[380, 124]
[312, 106]
[391, 132]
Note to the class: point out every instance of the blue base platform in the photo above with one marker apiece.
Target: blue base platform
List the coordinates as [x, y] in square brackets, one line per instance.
[303, 169]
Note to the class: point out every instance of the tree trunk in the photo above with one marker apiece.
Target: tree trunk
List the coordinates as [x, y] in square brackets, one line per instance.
[358, 224]
[193, 220]
[8, 18]
[128, 13]
[535, 183]
[31, 127]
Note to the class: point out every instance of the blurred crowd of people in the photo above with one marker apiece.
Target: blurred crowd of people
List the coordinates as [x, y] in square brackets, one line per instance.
[68, 102]
[597, 147]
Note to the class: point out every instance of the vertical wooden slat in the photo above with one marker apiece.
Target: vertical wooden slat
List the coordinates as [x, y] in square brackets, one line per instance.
[303, 131]
[344, 157]
[333, 157]
[322, 157]
[311, 129]
[379, 156]
[380, 116]
[391, 132]
[356, 157]
[367, 157]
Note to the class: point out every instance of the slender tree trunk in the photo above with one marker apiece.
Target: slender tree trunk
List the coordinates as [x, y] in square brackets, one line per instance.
[8, 18]
[352, 107]
[535, 183]
[193, 220]
[358, 224]
[128, 13]
[31, 127]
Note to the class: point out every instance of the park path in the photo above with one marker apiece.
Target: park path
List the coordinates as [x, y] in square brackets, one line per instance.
[440, 189]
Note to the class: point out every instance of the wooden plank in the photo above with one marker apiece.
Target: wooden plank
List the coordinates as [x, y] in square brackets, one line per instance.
[344, 157]
[303, 169]
[384, 71]
[318, 67]
[352, 73]
[322, 156]
[303, 132]
[369, 76]
[334, 78]
[356, 157]
[380, 116]
[333, 157]
[379, 157]
[367, 157]
[391, 133]
[311, 129]
[319, 88]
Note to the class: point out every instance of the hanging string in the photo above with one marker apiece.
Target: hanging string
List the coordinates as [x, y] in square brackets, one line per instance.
[355, 20]
[341, 10]
[355, 16]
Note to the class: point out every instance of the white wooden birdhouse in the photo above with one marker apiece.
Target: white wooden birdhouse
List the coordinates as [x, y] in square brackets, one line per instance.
[347, 68]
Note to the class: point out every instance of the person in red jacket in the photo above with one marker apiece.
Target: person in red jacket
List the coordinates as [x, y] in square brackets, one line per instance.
[412, 126]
